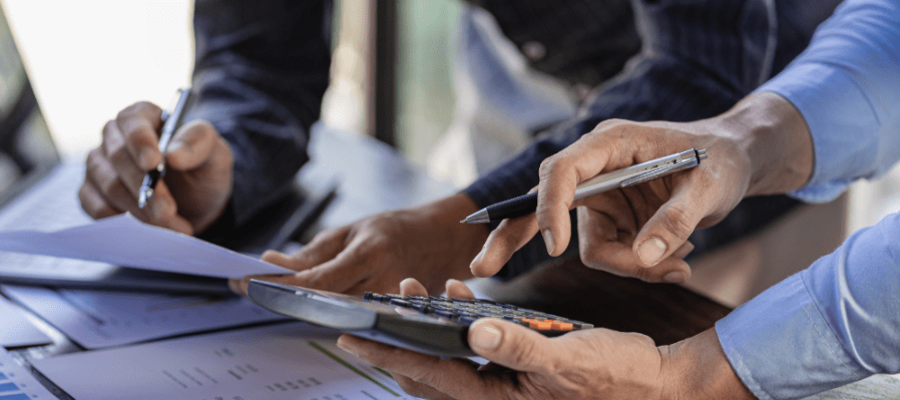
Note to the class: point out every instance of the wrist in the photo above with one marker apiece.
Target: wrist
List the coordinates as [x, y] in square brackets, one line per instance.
[697, 368]
[774, 137]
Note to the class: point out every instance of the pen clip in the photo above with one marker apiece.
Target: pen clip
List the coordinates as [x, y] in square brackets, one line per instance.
[657, 173]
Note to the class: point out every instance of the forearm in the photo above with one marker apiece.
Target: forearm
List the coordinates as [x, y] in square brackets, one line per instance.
[697, 368]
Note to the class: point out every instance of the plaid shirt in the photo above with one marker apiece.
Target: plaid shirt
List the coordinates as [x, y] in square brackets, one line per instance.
[698, 58]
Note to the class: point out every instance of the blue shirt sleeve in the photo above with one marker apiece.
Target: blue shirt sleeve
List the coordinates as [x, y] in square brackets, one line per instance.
[847, 87]
[834, 323]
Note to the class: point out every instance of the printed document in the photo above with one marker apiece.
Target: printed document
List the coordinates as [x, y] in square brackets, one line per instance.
[15, 328]
[125, 241]
[16, 383]
[291, 361]
[97, 319]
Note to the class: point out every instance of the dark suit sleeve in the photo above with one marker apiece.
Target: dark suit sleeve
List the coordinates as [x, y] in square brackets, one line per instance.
[260, 71]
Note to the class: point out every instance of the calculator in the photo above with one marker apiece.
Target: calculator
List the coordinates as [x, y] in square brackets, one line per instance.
[431, 325]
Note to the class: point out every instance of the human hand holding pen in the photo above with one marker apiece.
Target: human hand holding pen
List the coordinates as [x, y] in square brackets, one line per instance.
[196, 187]
[642, 231]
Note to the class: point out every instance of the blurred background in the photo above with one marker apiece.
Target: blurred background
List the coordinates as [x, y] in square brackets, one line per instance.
[89, 59]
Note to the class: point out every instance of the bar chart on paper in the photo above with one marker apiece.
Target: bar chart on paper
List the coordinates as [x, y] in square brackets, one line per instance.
[291, 361]
[16, 383]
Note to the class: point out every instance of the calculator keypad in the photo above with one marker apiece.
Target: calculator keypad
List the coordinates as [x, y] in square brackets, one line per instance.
[467, 311]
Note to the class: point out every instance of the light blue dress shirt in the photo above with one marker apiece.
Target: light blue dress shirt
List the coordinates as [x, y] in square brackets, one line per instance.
[839, 320]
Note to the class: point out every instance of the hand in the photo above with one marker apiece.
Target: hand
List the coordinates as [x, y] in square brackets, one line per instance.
[591, 364]
[642, 231]
[376, 253]
[198, 178]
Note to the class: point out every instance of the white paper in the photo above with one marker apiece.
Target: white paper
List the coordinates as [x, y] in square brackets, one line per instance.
[291, 361]
[16, 383]
[15, 328]
[98, 319]
[124, 240]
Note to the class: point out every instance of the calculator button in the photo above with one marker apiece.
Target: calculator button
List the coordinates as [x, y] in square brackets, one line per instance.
[401, 303]
[561, 326]
[443, 313]
[423, 308]
[467, 320]
[462, 300]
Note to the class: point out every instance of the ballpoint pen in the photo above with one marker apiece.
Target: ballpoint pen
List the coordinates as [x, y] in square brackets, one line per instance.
[633, 175]
[171, 122]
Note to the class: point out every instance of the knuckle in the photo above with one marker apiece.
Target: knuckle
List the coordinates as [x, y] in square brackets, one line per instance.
[591, 259]
[552, 166]
[108, 128]
[107, 184]
[93, 159]
[679, 222]
[644, 274]
[524, 351]
[118, 155]
[84, 198]
[412, 388]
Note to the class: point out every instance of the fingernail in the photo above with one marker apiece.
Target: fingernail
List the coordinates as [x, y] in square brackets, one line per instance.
[486, 337]
[344, 346]
[476, 260]
[651, 251]
[174, 147]
[548, 240]
[146, 154]
[675, 277]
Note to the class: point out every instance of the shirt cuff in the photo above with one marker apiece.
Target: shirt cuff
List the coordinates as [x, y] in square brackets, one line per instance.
[843, 152]
[781, 347]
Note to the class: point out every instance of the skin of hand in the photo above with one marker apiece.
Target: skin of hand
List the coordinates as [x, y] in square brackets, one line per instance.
[591, 364]
[198, 180]
[375, 253]
[761, 146]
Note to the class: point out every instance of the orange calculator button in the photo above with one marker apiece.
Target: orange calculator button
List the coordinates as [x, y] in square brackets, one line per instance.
[562, 326]
[544, 325]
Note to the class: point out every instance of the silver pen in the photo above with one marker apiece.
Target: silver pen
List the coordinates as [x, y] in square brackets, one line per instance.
[171, 122]
[633, 175]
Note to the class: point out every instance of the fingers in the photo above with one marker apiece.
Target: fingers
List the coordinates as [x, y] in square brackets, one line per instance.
[115, 149]
[510, 236]
[559, 175]
[512, 346]
[192, 146]
[165, 211]
[618, 258]
[459, 290]
[324, 246]
[669, 228]
[93, 204]
[412, 287]
[140, 124]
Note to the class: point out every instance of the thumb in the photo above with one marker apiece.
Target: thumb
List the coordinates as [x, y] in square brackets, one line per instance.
[668, 230]
[511, 346]
[192, 145]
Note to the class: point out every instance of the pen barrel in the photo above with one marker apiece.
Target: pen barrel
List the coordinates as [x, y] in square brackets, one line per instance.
[514, 207]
